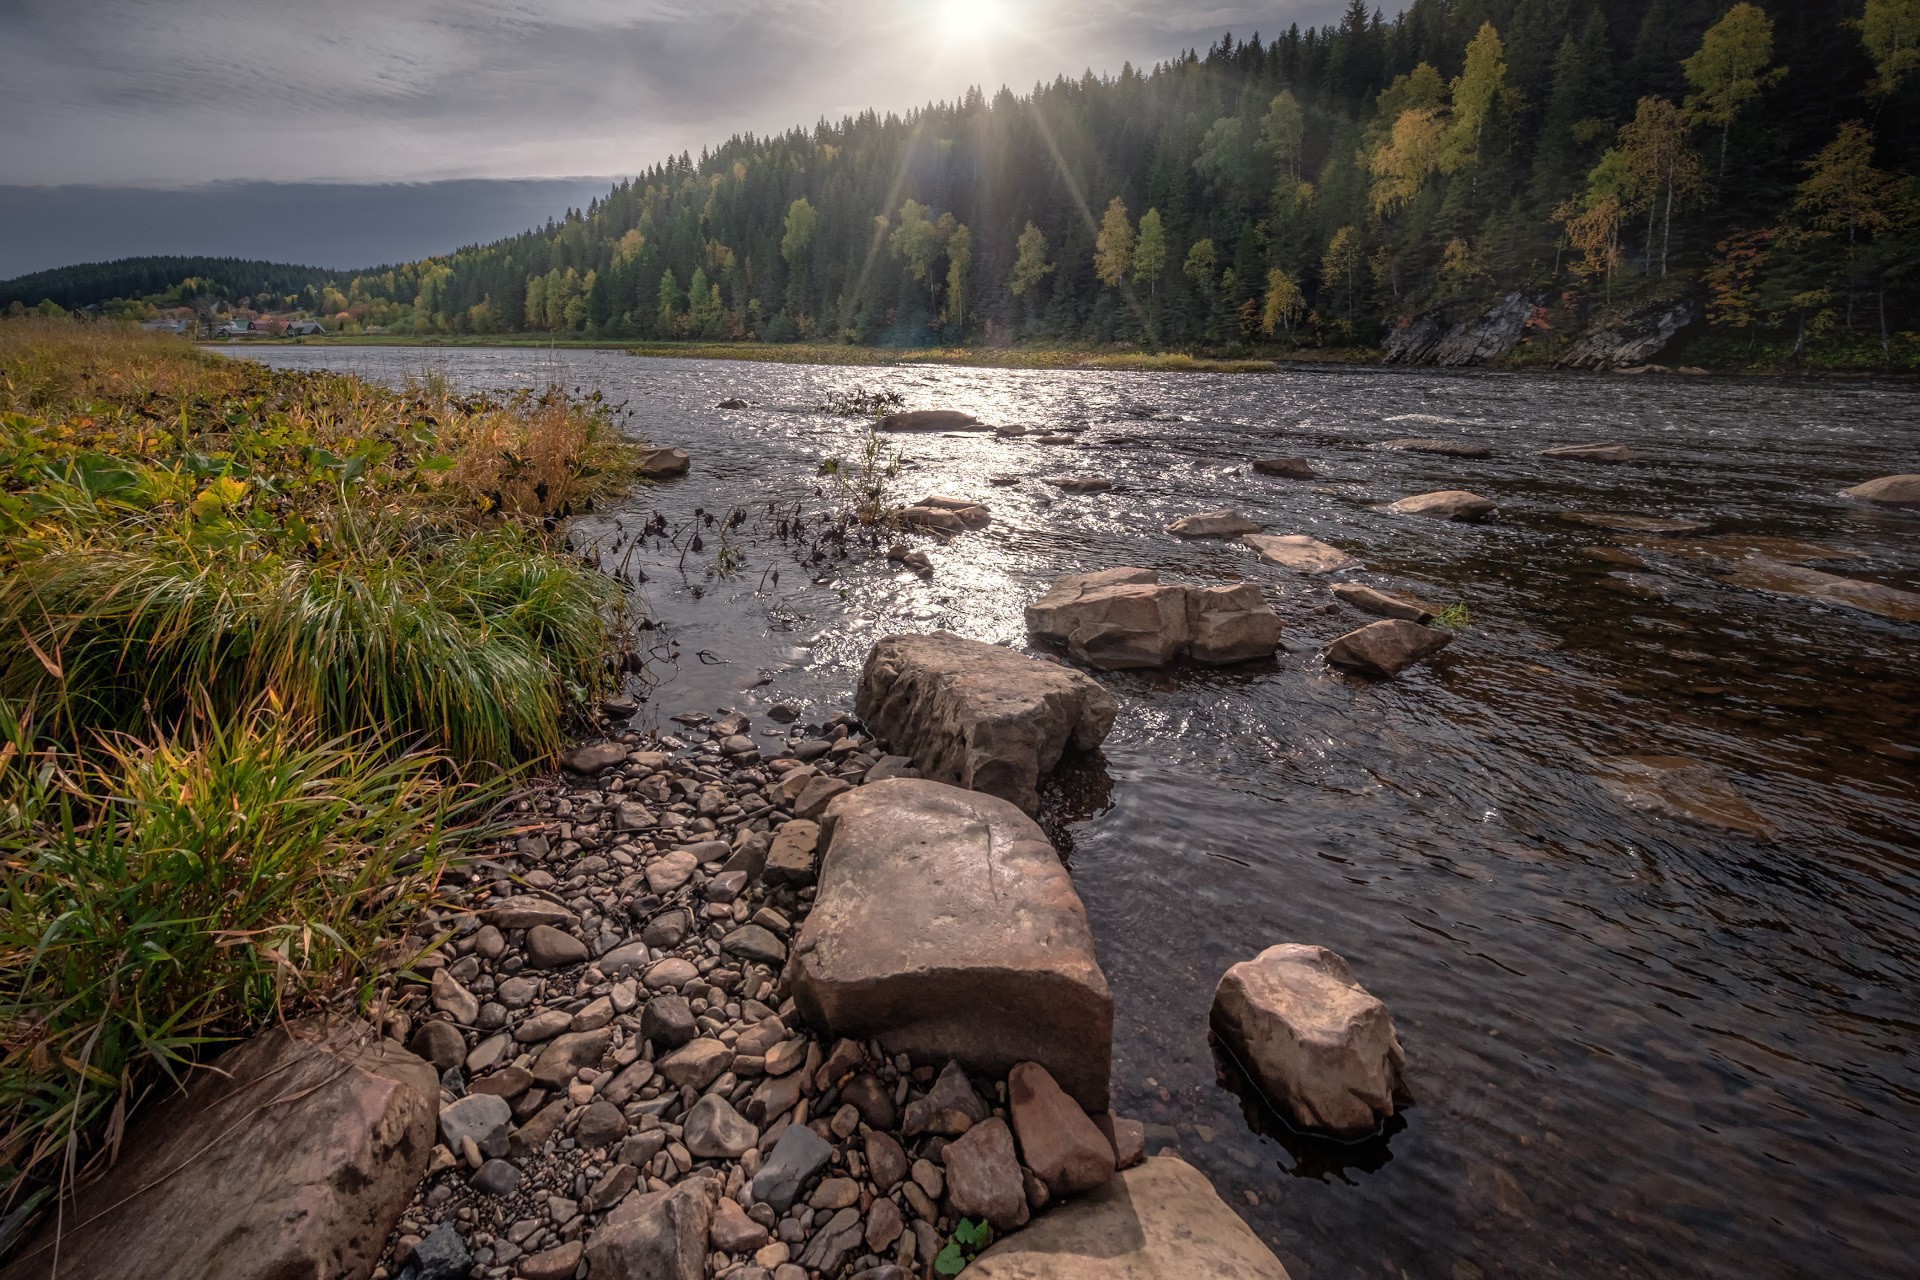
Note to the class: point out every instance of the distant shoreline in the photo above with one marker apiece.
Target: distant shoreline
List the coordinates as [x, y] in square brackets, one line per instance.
[980, 357]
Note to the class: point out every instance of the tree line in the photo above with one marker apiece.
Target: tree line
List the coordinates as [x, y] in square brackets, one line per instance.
[1311, 189]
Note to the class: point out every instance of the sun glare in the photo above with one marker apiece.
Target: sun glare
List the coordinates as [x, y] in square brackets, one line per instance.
[976, 19]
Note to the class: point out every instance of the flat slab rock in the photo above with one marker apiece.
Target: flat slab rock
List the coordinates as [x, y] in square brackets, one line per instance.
[980, 715]
[932, 420]
[1290, 467]
[946, 927]
[1161, 1220]
[1620, 522]
[1388, 647]
[1445, 504]
[1608, 453]
[1213, 524]
[1758, 573]
[1381, 604]
[1316, 1042]
[1902, 491]
[1300, 553]
[322, 1136]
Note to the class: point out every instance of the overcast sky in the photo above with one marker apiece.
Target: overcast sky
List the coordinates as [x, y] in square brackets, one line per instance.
[177, 93]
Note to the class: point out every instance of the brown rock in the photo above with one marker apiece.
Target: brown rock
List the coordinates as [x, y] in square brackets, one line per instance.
[661, 1235]
[662, 464]
[1117, 626]
[790, 860]
[323, 1134]
[1314, 1040]
[946, 927]
[1127, 1137]
[1213, 524]
[872, 1099]
[1901, 491]
[553, 1264]
[1063, 1147]
[439, 1043]
[817, 795]
[1161, 1221]
[1623, 523]
[732, 1231]
[525, 912]
[548, 948]
[1230, 624]
[1613, 453]
[1382, 605]
[950, 1107]
[1444, 448]
[696, 1064]
[884, 1225]
[1685, 788]
[931, 420]
[886, 1160]
[979, 715]
[565, 1055]
[1445, 504]
[983, 1176]
[1300, 553]
[1291, 468]
[1387, 648]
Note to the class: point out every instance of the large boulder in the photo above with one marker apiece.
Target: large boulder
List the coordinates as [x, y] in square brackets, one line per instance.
[1387, 648]
[295, 1157]
[1446, 504]
[662, 464]
[932, 420]
[1900, 491]
[980, 715]
[1158, 1221]
[947, 928]
[1300, 553]
[1122, 618]
[1316, 1042]
[1230, 624]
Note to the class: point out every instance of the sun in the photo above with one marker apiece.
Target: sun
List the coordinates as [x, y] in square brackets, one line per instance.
[970, 19]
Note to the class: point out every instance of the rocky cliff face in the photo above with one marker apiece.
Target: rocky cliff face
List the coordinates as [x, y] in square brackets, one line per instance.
[1427, 340]
[1632, 339]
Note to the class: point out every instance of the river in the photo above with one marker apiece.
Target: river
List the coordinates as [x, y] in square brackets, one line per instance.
[1637, 1044]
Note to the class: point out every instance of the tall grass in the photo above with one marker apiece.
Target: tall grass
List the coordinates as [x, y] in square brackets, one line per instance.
[160, 895]
[272, 626]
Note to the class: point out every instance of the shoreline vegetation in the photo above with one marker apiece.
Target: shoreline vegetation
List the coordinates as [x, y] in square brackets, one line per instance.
[281, 643]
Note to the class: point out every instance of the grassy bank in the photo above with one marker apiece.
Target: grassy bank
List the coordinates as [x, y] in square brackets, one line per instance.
[274, 638]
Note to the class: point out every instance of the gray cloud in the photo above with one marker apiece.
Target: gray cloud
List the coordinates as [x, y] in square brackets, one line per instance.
[180, 92]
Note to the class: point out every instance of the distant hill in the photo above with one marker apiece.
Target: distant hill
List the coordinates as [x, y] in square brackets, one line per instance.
[95, 282]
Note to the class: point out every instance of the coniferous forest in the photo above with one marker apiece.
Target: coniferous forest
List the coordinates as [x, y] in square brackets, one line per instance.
[1747, 167]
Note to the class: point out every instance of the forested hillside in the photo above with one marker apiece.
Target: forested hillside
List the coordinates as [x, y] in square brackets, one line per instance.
[1750, 165]
[166, 280]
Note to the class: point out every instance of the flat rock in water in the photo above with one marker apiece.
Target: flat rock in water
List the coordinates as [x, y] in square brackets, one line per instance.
[1382, 605]
[932, 420]
[1685, 788]
[1387, 648]
[1316, 1042]
[947, 928]
[1213, 524]
[1300, 553]
[1591, 453]
[305, 1146]
[1760, 574]
[1445, 504]
[1622, 523]
[661, 464]
[1079, 484]
[1445, 448]
[1290, 467]
[1738, 546]
[980, 715]
[1158, 1221]
[1899, 491]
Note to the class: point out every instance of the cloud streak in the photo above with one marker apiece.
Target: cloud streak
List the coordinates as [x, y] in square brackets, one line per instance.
[132, 92]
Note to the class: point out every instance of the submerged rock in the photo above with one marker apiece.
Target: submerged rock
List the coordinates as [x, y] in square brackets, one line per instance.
[1685, 788]
[1761, 574]
[1290, 467]
[1298, 552]
[1902, 491]
[1159, 1221]
[1387, 648]
[1445, 504]
[980, 715]
[1318, 1044]
[1080, 484]
[1444, 448]
[947, 928]
[734, 402]
[1623, 523]
[1213, 524]
[931, 420]
[1591, 453]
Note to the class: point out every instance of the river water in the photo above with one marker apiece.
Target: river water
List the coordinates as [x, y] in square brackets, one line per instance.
[1637, 1044]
